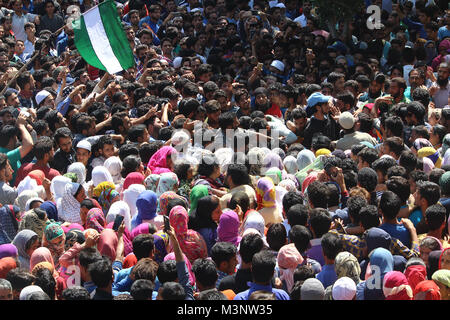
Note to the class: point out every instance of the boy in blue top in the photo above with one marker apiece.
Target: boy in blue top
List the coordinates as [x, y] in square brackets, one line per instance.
[389, 207]
[427, 194]
[331, 246]
[263, 267]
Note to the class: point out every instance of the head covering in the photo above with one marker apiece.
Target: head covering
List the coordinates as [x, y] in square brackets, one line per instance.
[167, 182]
[312, 289]
[433, 262]
[346, 120]
[278, 65]
[197, 192]
[52, 232]
[37, 175]
[39, 255]
[442, 276]
[171, 256]
[151, 182]
[288, 185]
[106, 199]
[255, 221]
[102, 187]
[288, 259]
[445, 143]
[164, 201]
[275, 174]
[322, 152]
[114, 166]
[20, 241]
[41, 96]
[384, 260]
[146, 205]
[428, 165]
[9, 224]
[191, 242]
[70, 207]
[143, 228]
[28, 291]
[50, 208]
[74, 236]
[228, 229]
[133, 178]
[161, 242]
[101, 174]
[432, 154]
[27, 183]
[8, 250]
[377, 238]
[344, 289]
[130, 196]
[30, 201]
[57, 186]
[427, 290]
[265, 193]
[80, 170]
[84, 144]
[119, 208]
[396, 287]
[420, 143]
[290, 164]
[415, 274]
[158, 162]
[95, 219]
[6, 265]
[23, 197]
[72, 176]
[32, 221]
[446, 252]
[446, 160]
[305, 158]
[272, 160]
[107, 243]
[346, 265]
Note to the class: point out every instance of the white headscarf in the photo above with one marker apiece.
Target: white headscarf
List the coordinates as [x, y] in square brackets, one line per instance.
[28, 291]
[28, 204]
[130, 196]
[57, 186]
[290, 164]
[114, 166]
[80, 170]
[225, 157]
[27, 184]
[24, 196]
[101, 174]
[119, 208]
[305, 158]
[254, 220]
[279, 195]
[70, 207]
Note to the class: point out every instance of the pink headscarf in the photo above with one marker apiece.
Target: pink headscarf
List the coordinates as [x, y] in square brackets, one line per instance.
[396, 287]
[171, 256]
[288, 259]
[158, 162]
[143, 228]
[133, 178]
[191, 242]
[228, 229]
[127, 243]
[41, 254]
[107, 243]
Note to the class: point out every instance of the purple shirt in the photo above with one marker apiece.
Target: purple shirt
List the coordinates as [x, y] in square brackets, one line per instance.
[315, 252]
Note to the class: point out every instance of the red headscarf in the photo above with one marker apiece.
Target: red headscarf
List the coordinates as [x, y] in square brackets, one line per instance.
[427, 290]
[129, 261]
[107, 243]
[6, 264]
[133, 178]
[415, 274]
[396, 287]
[37, 175]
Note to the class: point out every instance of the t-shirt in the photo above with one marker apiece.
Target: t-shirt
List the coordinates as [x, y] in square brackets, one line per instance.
[7, 194]
[327, 276]
[353, 138]
[14, 160]
[398, 231]
[27, 168]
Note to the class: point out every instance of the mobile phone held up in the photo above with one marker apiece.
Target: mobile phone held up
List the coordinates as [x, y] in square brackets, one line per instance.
[117, 222]
[166, 224]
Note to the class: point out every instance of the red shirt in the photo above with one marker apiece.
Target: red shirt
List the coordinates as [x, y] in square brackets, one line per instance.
[25, 169]
[275, 111]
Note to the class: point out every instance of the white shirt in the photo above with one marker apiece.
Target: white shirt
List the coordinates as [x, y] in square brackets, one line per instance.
[18, 24]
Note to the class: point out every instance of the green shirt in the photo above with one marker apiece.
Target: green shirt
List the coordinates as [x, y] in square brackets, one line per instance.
[14, 160]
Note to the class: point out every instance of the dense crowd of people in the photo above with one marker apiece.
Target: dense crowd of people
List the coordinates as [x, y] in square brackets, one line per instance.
[254, 152]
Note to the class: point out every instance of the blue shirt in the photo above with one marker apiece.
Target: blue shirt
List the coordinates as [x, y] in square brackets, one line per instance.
[416, 216]
[327, 276]
[279, 294]
[397, 231]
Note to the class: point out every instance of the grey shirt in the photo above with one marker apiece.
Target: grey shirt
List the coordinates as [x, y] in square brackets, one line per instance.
[7, 194]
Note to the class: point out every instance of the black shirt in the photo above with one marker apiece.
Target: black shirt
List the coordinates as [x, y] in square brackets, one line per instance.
[62, 160]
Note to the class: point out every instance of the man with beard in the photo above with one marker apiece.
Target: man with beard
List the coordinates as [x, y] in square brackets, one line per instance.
[44, 153]
[416, 79]
[440, 90]
[65, 155]
[396, 92]
[262, 102]
[25, 82]
[375, 89]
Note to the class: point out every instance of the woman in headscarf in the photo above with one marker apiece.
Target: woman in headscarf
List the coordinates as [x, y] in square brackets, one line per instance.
[146, 205]
[72, 176]
[143, 228]
[432, 154]
[396, 287]
[288, 259]
[253, 220]
[420, 143]
[162, 161]
[197, 192]
[275, 174]
[427, 290]
[50, 208]
[161, 242]
[9, 224]
[290, 164]
[8, 250]
[107, 243]
[205, 219]
[101, 174]
[95, 219]
[119, 208]
[130, 196]
[305, 158]
[26, 241]
[114, 166]
[164, 202]
[33, 203]
[103, 186]
[427, 245]
[74, 194]
[133, 178]
[80, 170]
[415, 273]
[34, 220]
[191, 242]
[37, 175]
[6, 265]
[54, 239]
[288, 185]
[167, 182]
[57, 186]
[41, 254]
[382, 260]
[444, 259]
[433, 262]
[228, 229]
[23, 197]
[266, 200]
[346, 265]
[151, 182]
[443, 48]
[27, 184]
[107, 198]
[271, 160]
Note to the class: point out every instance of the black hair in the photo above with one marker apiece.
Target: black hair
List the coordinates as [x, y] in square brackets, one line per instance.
[383, 164]
[167, 271]
[208, 165]
[303, 272]
[88, 256]
[127, 150]
[408, 160]
[331, 245]
[397, 170]
[188, 106]
[318, 194]
[291, 198]
[435, 175]
[130, 164]
[430, 191]
[75, 293]
[300, 236]
[240, 198]
[369, 217]
[42, 146]
[143, 246]
[368, 155]
[45, 280]
[297, 215]
[263, 266]
[276, 236]
[222, 252]
[205, 272]
[356, 148]
[319, 221]
[142, 289]
[238, 173]
[20, 278]
[390, 204]
[211, 294]
[400, 186]
[172, 291]
[101, 272]
[249, 245]
[334, 194]
[435, 216]
[368, 179]
[40, 126]
[354, 205]
[226, 119]
[136, 132]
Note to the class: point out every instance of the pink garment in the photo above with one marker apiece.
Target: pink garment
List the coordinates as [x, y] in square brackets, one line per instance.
[127, 244]
[73, 226]
[143, 228]
[107, 244]
[171, 256]
[158, 162]
[440, 58]
[133, 178]
[41, 254]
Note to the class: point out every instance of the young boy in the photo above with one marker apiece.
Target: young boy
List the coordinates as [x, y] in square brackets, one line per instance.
[105, 148]
[331, 246]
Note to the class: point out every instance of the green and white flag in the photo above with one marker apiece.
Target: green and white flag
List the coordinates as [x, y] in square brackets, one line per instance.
[100, 39]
